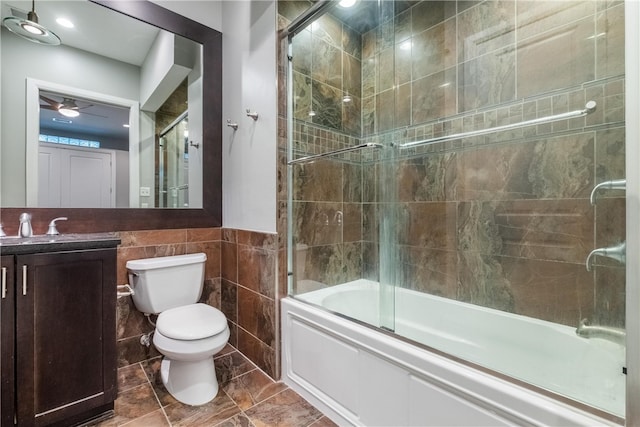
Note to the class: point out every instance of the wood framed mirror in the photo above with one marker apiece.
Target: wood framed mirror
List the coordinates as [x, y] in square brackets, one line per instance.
[122, 219]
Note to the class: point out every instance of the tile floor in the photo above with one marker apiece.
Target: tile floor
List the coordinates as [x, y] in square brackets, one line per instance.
[247, 397]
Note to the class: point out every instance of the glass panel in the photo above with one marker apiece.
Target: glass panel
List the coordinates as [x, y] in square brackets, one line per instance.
[334, 200]
[173, 165]
[501, 248]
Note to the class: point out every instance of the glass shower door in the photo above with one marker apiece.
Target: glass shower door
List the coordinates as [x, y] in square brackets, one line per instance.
[498, 196]
[173, 165]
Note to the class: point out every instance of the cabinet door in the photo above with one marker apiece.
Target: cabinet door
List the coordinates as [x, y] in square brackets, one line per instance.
[65, 334]
[7, 343]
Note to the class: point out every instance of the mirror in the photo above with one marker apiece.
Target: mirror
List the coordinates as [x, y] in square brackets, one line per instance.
[15, 151]
[149, 76]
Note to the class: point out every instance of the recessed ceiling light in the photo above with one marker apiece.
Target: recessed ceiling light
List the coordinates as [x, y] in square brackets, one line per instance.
[65, 22]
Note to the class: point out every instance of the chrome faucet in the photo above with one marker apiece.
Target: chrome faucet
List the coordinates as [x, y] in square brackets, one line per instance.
[53, 231]
[617, 335]
[616, 184]
[617, 252]
[25, 229]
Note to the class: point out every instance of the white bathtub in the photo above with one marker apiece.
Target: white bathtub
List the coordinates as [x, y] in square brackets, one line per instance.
[364, 377]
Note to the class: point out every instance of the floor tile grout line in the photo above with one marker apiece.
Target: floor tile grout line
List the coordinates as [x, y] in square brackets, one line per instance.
[156, 394]
[255, 403]
[123, 389]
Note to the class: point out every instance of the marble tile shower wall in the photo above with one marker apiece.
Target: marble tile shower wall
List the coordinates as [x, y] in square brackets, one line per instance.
[239, 280]
[327, 67]
[502, 220]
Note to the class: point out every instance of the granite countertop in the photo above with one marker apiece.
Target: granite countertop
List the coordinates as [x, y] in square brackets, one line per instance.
[11, 245]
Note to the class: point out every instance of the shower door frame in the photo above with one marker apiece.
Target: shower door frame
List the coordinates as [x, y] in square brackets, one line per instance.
[632, 172]
[632, 153]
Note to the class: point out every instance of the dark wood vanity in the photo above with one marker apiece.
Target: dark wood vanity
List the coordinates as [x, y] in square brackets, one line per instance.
[58, 326]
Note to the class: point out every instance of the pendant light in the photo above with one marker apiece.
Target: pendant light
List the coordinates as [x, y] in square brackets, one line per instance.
[30, 29]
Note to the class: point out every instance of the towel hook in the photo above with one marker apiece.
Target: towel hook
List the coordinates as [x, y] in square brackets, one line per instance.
[232, 125]
[253, 115]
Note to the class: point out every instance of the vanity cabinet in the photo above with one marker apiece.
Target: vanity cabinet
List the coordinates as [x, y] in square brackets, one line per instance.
[58, 337]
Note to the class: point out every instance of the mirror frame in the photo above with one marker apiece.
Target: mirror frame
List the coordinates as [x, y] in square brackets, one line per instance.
[88, 220]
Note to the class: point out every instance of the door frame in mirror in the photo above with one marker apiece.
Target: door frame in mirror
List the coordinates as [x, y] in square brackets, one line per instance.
[34, 87]
[84, 220]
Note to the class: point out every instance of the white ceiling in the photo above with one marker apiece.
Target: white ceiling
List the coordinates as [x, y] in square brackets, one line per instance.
[97, 30]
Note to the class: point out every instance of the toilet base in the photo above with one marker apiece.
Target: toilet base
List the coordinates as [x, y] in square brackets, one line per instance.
[193, 383]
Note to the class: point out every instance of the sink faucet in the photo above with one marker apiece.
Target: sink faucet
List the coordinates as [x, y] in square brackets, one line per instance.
[25, 229]
[53, 231]
[617, 335]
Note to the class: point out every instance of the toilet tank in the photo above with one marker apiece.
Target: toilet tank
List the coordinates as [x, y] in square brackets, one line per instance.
[166, 282]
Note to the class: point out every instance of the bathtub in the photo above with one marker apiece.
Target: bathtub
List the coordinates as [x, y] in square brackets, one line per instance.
[361, 376]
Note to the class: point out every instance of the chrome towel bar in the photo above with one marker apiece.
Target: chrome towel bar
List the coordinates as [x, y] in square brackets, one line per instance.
[589, 108]
[308, 159]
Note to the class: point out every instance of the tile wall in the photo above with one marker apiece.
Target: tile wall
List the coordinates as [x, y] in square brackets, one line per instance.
[502, 220]
[239, 280]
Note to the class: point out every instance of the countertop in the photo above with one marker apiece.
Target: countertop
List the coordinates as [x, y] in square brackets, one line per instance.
[12, 245]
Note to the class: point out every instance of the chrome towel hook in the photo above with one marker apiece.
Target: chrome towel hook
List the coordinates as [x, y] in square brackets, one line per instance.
[253, 115]
[232, 125]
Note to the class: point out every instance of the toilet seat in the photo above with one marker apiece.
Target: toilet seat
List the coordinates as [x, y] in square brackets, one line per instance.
[191, 322]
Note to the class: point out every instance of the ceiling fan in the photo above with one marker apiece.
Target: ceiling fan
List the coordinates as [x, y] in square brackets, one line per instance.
[68, 107]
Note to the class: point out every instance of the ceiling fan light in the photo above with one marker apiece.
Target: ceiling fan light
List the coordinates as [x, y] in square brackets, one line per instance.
[68, 112]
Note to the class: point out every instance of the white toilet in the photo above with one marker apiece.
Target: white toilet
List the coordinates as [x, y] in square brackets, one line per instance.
[188, 334]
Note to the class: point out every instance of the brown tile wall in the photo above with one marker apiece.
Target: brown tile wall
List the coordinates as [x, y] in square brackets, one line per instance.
[327, 66]
[240, 280]
[132, 324]
[249, 267]
[501, 220]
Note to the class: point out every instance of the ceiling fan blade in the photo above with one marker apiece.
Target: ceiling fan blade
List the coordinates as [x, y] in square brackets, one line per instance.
[50, 101]
[93, 114]
[48, 107]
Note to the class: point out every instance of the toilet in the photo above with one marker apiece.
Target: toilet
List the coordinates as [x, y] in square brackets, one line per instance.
[187, 333]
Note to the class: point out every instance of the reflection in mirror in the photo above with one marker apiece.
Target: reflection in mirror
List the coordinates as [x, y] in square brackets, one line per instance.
[83, 153]
[91, 73]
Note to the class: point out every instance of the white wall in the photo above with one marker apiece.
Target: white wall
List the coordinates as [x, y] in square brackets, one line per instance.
[249, 154]
[249, 73]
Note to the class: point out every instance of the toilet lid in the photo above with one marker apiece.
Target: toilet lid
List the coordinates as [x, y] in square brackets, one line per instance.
[191, 322]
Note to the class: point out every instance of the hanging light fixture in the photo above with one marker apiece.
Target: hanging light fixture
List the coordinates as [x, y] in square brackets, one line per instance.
[30, 29]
